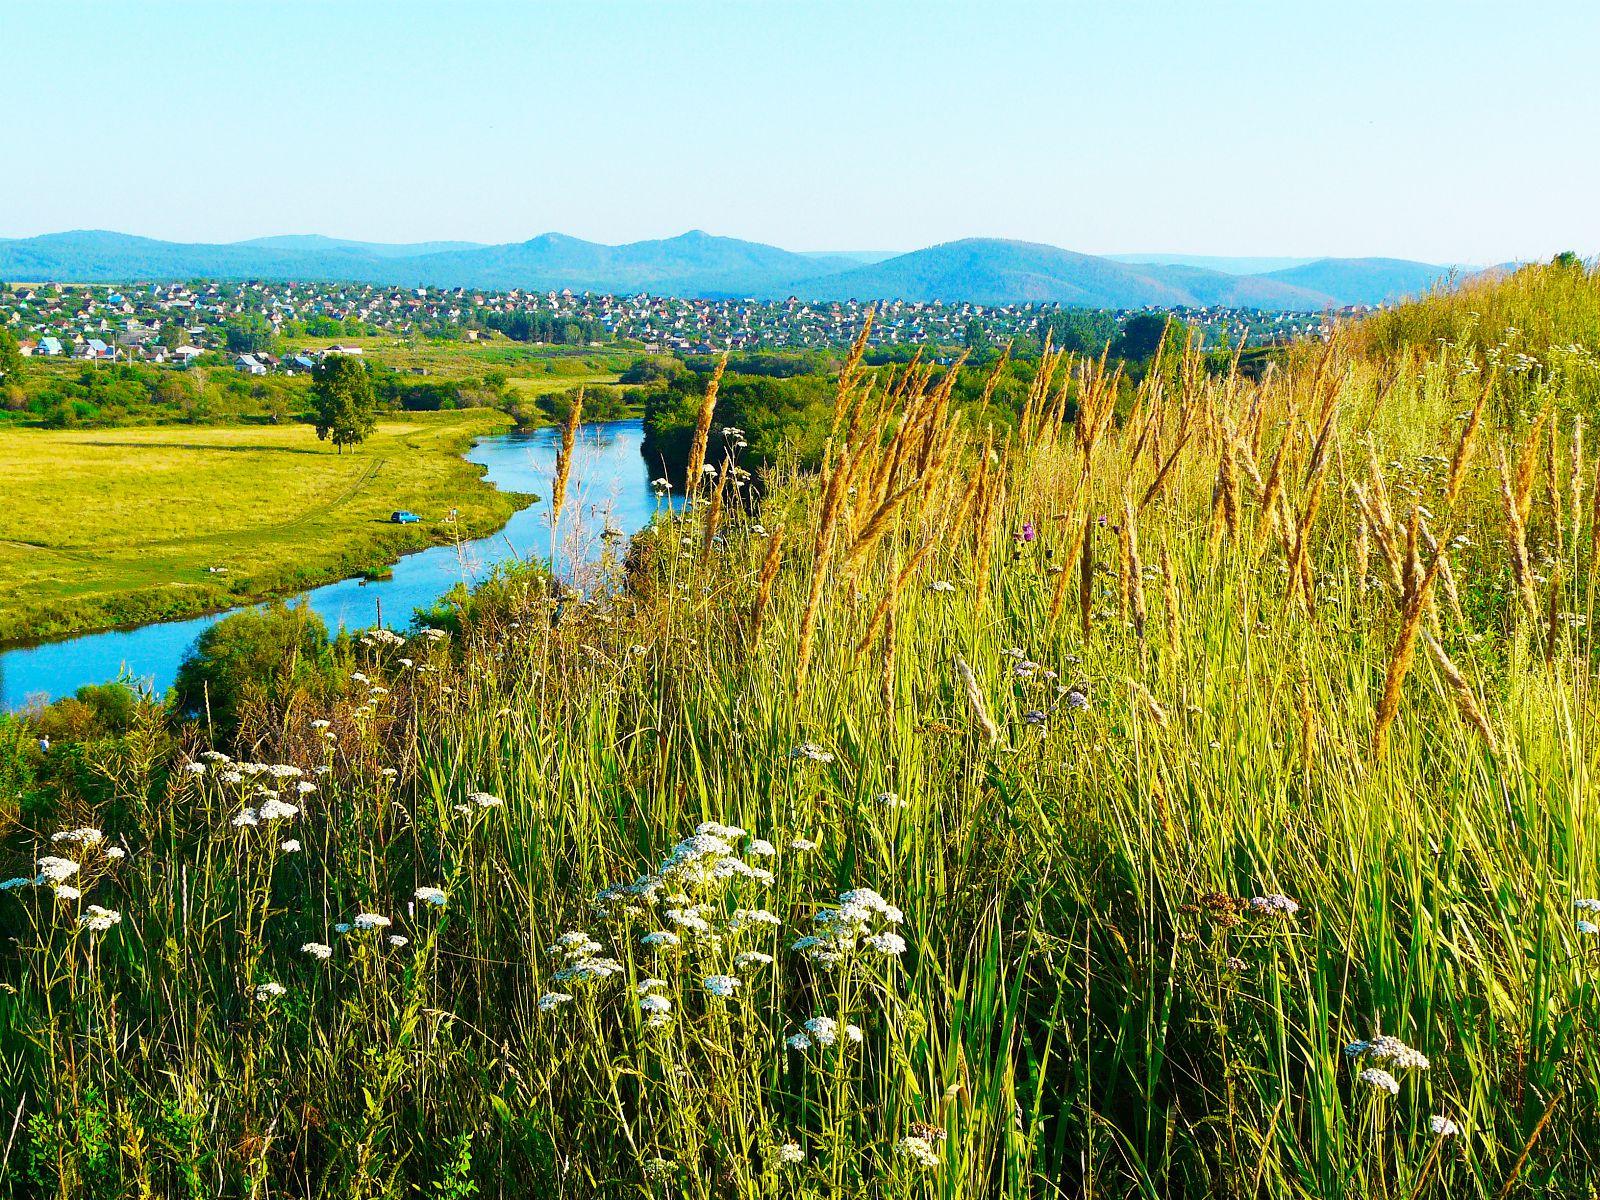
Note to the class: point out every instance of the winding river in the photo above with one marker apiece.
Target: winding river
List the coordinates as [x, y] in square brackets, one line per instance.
[609, 489]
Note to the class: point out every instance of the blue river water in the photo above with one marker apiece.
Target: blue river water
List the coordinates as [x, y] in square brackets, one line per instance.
[609, 489]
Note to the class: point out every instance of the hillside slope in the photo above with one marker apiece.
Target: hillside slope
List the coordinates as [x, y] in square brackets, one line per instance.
[994, 271]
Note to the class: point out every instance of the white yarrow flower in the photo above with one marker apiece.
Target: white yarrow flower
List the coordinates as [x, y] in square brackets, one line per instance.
[1274, 904]
[918, 1151]
[98, 920]
[887, 943]
[84, 837]
[317, 950]
[53, 869]
[823, 1030]
[1380, 1080]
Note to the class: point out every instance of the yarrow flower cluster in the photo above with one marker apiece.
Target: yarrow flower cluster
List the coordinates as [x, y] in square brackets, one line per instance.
[83, 837]
[583, 963]
[54, 869]
[822, 1031]
[657, 1010]
[1274, 905]
[97, 920]
[1582, 925]
[858, 922]
[918, 1151]
[1380, 1080]
[1390, 1051]
[707, 862]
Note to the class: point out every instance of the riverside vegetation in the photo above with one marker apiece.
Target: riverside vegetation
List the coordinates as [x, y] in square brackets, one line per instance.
[1193, 797]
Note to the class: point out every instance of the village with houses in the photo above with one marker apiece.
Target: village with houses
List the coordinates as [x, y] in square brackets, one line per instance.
[261, 328]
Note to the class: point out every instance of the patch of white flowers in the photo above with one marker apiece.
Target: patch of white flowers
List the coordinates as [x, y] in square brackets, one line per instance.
[97, 920]
[860, 920]
[54, 869]
[1380, 1080]
[83, 837]
[1274, 905]
[918, 1151]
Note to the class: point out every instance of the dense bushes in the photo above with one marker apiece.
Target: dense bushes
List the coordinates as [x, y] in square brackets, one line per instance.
[264, 656]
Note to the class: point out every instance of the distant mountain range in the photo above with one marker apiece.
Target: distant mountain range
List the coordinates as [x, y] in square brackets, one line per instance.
[696, 264]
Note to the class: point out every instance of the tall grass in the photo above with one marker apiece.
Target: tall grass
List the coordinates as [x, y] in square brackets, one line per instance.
[1130, 880]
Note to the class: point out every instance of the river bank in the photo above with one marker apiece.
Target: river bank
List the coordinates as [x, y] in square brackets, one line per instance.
[609, 489]
[110, 528]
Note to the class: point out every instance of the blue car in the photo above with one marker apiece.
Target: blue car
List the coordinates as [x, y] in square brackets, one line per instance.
[404, 517]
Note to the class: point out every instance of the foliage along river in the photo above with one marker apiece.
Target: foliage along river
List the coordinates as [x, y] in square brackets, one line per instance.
[609, 488]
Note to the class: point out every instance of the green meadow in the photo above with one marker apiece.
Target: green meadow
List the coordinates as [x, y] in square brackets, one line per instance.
[112, 526]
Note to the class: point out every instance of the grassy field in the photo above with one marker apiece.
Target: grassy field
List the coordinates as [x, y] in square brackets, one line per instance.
[1194, 798]
[108, 527]
[530, 386]
[452, 360]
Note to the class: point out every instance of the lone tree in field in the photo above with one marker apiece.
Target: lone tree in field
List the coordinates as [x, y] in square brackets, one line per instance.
[347, 410]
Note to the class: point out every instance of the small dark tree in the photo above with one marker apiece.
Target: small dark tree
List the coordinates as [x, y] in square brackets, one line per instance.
[248, 333]
[341, 393]
[1140, 336]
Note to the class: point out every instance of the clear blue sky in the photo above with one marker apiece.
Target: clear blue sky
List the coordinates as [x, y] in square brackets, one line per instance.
[1449, 131]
